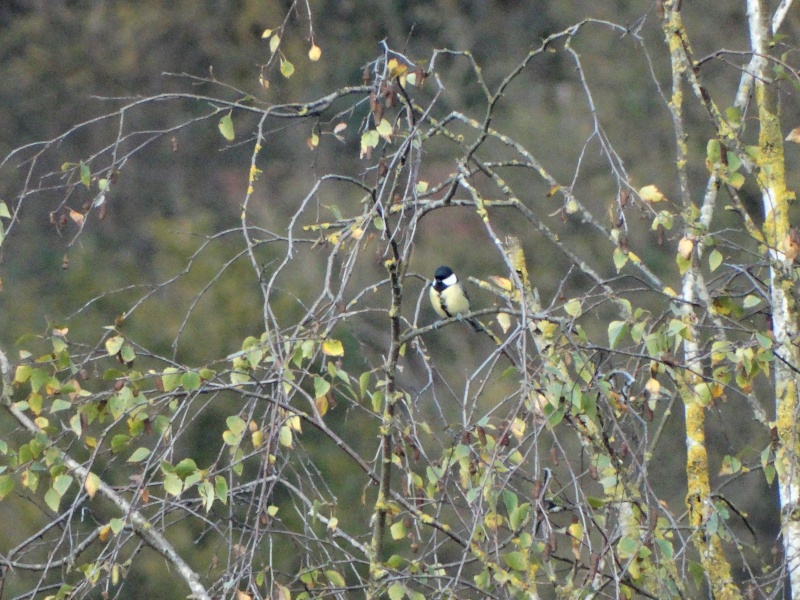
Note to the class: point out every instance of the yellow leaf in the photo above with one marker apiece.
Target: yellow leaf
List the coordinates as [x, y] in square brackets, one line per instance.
[257, 438]
[322, 405]
[274, 42]
[576, 531]
[685, 247]
[104, 531]
[76, 216]
[315, 53]
[92, 484]
[651, 193]
[285, 437]
[266, 34]
[502, 282]
[517, 428]
[333, 347]
[384, 130]
[505, 321]
[396, 69]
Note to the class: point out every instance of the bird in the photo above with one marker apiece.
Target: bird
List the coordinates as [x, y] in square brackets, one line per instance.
[449, 298]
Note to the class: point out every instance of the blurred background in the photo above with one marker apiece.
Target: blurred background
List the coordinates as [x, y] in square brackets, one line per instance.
[66, 62]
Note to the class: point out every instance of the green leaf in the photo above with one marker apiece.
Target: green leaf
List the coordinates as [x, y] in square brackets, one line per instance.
[714, 260]
[698, 573]
[730, 465]
[369, 139]
[736, 180]
[52, 498]
[116, 525]
[620, 258]
[128, 354]
[39, 377]
[235, 424]
[384, 129]
[573, 308]
[114, 344]
[226, 127]
[171, 379]
[221, 488]
[616, 329]
[665, 547]
[206, 491]
[22, 373]
[510, 500]
[185, 468]
[139, 455]
[713, 153]
[734, 116]
[377, 401]
[86, 174]
[274, 42]
[4, 210]
[769, 473]
[751, 300]
[173, 484]
[321, 387]
[239, 377]
[119, 442]
[59, 404]
[516, 560]
[287, 68]
[595, 503]
[764, 341]
[61, 484]
[396, 591]
[703, 391]
[191, 381]
[627, 547]
[518, 516]
[398, 530]
[395, 561]
[335, 578]
[6, 485]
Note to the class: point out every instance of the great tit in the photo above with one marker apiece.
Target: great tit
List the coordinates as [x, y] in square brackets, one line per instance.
[448, 297]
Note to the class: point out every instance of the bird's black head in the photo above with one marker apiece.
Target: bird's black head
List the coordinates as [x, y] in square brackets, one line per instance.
[442, 273]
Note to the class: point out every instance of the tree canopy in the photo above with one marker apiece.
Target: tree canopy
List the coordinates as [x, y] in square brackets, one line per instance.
[220, 369]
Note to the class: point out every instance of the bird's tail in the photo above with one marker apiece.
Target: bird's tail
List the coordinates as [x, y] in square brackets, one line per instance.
[476, 325]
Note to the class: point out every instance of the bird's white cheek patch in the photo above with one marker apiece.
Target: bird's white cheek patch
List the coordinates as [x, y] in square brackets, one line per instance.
[452, 280]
